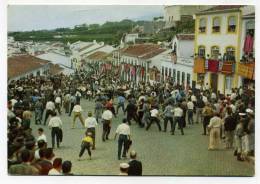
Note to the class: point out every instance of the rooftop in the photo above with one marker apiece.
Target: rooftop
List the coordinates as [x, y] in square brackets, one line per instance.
[19, 65]
[221, 8]
[143, 51]
[98, 55]
[185, 36]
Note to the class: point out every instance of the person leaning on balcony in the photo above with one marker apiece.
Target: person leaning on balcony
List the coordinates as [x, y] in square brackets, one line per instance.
[77, 113]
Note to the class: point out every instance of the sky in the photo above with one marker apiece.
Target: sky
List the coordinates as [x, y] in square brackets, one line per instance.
[36, 17]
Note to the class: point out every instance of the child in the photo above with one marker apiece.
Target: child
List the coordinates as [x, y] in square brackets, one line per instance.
[87, 142]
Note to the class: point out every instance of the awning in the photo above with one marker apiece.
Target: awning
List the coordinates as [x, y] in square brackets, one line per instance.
[246, 70]
[199, 65]
[228, 67]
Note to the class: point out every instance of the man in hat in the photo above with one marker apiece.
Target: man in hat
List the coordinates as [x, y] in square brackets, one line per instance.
[123, 130]
[135, 166]
[90, 124]
[124, 169]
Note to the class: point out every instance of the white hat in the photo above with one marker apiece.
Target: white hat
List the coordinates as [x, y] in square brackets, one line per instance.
[242, 114]
[124, 165]
[249, 111]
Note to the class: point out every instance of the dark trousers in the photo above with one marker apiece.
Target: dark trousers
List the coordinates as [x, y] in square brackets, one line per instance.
[106, 129]
[166, 120]
[47, 114]
[156, 120]
[58, 107]
[205, 124]
[190, 116]
[93, 131]
[55, 133]
[179, 121]
[85, 146]
[140, 117]
[122, 106]
[131, 116]
[122, 141]
[71, 108]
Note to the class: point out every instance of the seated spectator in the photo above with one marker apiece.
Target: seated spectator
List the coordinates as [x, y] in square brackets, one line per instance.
[41, 134]
[25, 168]
[41, 145]
[45, 161]
[66, 168]
[57, 167]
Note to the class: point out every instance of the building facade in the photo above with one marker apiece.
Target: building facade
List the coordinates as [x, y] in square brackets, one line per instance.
[177, 65]
[217, 47]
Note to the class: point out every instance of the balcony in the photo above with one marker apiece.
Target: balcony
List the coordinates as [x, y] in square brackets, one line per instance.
[246, 70]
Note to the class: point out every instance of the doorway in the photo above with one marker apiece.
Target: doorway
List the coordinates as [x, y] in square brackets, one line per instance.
[214, 82]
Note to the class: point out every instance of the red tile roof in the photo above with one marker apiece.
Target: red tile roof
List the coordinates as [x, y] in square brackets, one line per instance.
[55, 69]
[143, 51]
[98, 55]
[185, 36]
[222, 8]
[19, 65]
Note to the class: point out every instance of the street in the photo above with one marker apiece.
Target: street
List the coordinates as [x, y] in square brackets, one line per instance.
[160, 152]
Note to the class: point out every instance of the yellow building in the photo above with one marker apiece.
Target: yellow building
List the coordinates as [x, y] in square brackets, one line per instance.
[218, 35]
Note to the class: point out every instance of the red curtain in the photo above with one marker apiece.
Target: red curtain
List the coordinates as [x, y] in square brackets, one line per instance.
[213, 65]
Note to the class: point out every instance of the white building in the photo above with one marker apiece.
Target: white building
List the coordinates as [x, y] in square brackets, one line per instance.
[25, 66]
[131, 37]
[80, 51]
[177, 65]
[140, 62]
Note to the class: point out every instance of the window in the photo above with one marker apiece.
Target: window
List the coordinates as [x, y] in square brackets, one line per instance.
[232, 24]
[228, 84]
[202, 25]
[178, 77]
[188, 78]
[170, 72]
[230, 54]
[166, 71]
[162, 71]
[174, 75]
[214, 52]
[216, 25]
[183, 77]
[201, 51]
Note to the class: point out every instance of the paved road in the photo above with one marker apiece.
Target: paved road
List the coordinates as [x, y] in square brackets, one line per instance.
[160, 152]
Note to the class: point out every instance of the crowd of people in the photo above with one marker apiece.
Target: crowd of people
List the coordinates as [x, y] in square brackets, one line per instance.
[225, 118]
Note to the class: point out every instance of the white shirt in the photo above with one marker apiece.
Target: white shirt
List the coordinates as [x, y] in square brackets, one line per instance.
[55, 122]
[77, 108]
[123, 129]
[190, 105]
[233, 96]
[107, 115]
[58, 100]
[90, 122]
[204, 99]
[78, 94]
[53, 171]
[215, 122]
[154, 113]
[193, 98]
[178, 112]
[213, 95]
[50, 105]
[42, 137]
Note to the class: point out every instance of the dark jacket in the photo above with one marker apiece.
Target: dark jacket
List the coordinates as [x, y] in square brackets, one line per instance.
[135, 168]
[230, 123]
